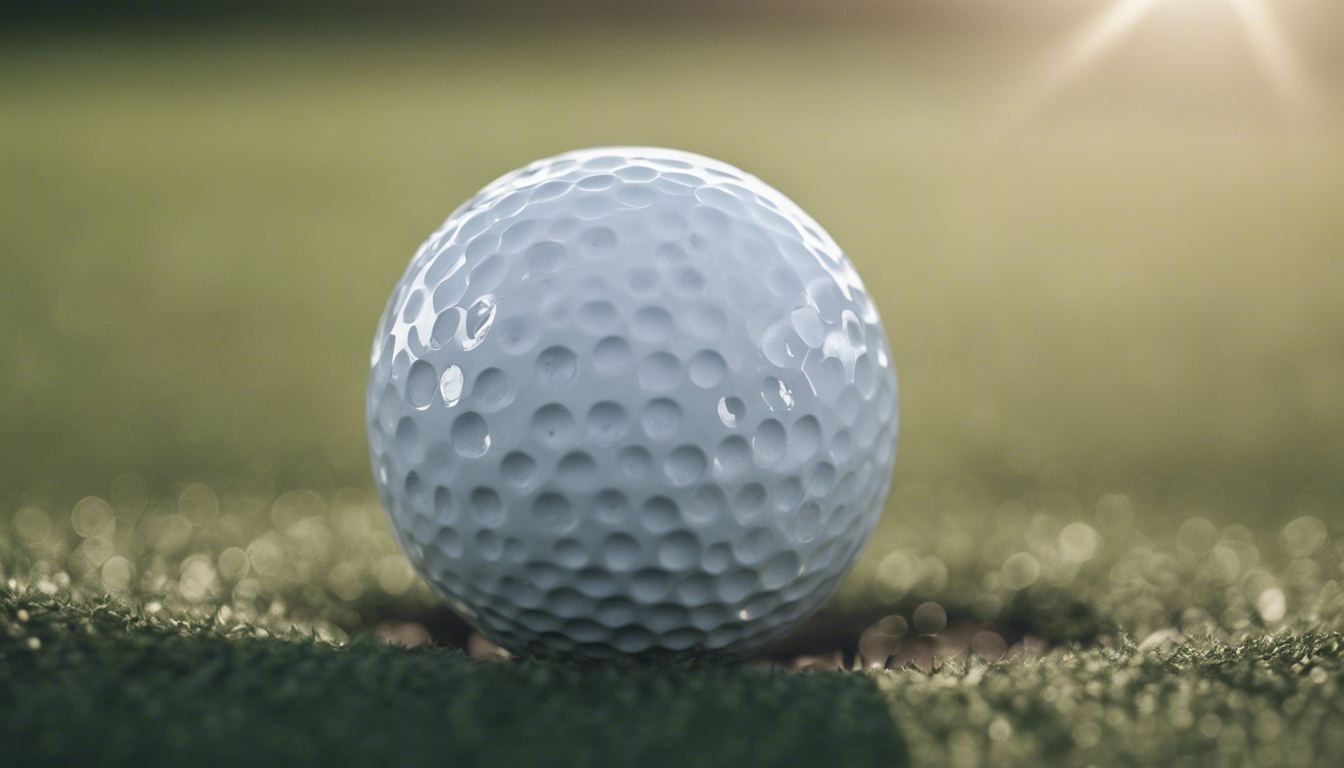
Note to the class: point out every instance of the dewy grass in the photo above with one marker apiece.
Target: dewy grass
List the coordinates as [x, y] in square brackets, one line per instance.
[1270, 701]
[97, 683]
[1054, 565]
[1234, 660]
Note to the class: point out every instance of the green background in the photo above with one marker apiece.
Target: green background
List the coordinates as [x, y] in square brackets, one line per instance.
[1121, 307]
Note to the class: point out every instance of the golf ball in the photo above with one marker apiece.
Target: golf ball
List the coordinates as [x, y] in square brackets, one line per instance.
[631, 401]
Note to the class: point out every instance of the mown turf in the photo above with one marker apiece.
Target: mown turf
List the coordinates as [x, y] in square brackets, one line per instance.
[98, 684]
[1273, 700]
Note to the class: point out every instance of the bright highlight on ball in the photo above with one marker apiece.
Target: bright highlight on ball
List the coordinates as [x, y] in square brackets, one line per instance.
[631, 401]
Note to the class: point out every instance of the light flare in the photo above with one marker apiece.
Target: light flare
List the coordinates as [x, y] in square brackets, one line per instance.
[1286, 72]
[1079, 53]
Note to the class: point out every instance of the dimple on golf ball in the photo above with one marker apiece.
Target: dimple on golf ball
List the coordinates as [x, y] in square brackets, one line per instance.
[631, 401]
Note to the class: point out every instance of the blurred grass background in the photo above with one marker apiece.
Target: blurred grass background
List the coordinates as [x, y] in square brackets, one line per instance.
[1117, 319]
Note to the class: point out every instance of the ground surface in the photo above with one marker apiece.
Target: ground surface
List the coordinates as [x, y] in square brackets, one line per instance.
[98, 684]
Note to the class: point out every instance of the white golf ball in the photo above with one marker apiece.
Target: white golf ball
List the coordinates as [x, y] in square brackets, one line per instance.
[631, 401]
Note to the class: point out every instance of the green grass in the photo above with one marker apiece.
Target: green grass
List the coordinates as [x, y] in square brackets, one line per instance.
[97, 684]
[1273, 700]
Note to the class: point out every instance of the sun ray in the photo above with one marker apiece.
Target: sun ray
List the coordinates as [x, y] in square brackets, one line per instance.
[1285, 70]
[1077, 55]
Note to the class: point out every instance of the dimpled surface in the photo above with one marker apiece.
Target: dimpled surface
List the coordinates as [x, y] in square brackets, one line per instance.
[631, 401]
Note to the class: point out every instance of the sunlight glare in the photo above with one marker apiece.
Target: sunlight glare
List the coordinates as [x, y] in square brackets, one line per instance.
[1286, 72]
[1098, 36]
[1079, 53]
